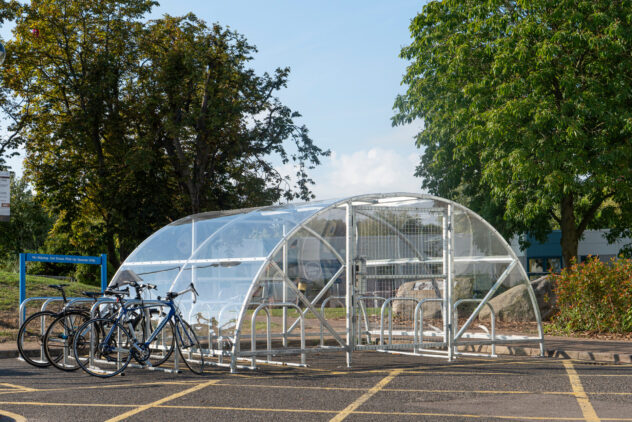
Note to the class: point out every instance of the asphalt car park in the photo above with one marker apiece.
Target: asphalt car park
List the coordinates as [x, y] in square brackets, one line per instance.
[377, 387]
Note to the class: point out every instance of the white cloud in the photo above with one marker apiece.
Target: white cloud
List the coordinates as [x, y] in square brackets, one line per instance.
[376, 170]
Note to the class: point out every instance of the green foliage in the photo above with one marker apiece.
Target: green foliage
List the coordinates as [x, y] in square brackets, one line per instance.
[28, 227]
[594, 296]
[527, 111]
[130, 125]
[216, 119]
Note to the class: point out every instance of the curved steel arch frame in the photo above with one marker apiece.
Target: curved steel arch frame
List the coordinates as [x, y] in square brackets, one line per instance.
[451, 338]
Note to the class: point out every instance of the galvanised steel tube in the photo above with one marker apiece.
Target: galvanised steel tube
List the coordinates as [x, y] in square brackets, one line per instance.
[418, 325]
[390, 317]
[491, 308]
[253, 338]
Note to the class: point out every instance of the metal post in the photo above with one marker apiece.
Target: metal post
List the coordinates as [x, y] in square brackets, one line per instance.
[193, 266]
[450, 283]
[104, 272]
[444, 306]
[22, 277]
[284, 299]
[349, 281]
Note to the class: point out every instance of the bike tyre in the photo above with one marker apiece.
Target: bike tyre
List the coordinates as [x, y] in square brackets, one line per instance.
[97, 325]
[188, 344]
[62, 322]
[29, 328]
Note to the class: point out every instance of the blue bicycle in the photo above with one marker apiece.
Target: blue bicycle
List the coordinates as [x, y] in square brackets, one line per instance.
[105, 346]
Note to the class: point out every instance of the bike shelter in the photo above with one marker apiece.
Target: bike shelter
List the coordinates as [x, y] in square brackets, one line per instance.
[393, 273]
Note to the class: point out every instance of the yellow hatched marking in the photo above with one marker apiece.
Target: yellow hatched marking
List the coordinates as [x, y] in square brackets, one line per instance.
[582, 398]
[15, 417]
[163, 400]
[21, 388]
[364, 397]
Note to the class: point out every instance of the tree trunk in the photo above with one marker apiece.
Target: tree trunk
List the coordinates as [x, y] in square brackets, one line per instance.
[570, 233]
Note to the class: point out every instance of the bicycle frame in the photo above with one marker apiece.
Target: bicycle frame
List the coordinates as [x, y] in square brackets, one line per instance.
[124, 311]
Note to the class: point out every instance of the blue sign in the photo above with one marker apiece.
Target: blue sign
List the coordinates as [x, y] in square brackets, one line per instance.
[64, 259]
[61, 259]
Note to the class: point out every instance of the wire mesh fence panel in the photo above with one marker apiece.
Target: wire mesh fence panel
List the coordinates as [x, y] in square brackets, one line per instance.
[404, 252]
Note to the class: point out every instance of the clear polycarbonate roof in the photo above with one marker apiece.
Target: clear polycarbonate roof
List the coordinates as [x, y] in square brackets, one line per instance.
[220, 253]
[241, 258]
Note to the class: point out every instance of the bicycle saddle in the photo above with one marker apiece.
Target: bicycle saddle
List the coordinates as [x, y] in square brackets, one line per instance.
[57, 286]
[93, 295]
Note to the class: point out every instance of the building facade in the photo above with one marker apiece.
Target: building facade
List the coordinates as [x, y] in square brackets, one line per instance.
[541, 258]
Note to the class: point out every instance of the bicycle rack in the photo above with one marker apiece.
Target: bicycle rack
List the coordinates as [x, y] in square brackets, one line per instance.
[157, 303]
[220, 337]
[339, 299]
[22, 317]
[253, 338]
[390, 317]
[22, 309]
[67, 348]
[367, 330]
[493, 323]
[419, 327]
[211, 350]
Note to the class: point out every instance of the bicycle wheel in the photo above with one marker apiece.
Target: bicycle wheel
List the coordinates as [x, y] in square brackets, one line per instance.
[189, 347]
[32, 331]
[102, 347]
[160, 349]
[162, 346]
[59, 337]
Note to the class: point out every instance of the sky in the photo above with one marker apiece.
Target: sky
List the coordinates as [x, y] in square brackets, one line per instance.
[345, 75]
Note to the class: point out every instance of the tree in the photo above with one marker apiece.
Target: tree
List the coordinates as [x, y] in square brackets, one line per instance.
[9, 106]
[527, 110]
[75, 59]
[130, 125]
[29, 225]
[216, 119]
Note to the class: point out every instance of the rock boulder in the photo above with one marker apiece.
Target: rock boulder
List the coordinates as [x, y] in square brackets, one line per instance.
[515, 303]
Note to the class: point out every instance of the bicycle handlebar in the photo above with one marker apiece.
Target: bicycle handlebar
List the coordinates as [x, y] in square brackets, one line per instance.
[191, 288]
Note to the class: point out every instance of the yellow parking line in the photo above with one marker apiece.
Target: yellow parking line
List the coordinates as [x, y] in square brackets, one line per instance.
[15, 417]
[377, 413]
[35, 403]
[163, 400]
[355, 412]
[472, 416]
[415, 390]
[582, 398]
[245, 409]
[431, 372]
[364, 397]
[102, 386]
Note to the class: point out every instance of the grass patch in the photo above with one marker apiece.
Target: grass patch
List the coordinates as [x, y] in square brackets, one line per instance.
[330, 313]
[35, 286]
